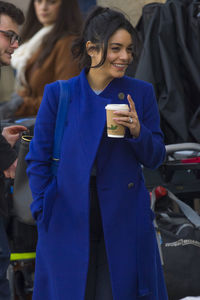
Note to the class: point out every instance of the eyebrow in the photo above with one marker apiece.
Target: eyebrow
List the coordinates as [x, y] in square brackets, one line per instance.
[118, 44]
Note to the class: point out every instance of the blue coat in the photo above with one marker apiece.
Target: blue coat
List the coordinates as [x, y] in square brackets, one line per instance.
[63, 223]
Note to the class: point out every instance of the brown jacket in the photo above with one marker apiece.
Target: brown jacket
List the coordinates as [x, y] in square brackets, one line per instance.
[58, 65]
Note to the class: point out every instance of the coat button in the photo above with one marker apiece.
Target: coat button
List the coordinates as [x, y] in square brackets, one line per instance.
[131, 185]
[121, 96]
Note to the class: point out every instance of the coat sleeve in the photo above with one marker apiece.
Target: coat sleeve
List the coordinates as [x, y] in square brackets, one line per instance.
[41, 148]
[149, 147]
[7, 154]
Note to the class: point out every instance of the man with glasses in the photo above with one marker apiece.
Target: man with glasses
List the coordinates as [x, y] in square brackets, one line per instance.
[11, 18]
[13, 38]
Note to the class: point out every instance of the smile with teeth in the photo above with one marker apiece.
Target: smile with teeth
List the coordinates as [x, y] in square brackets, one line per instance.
[120, 65]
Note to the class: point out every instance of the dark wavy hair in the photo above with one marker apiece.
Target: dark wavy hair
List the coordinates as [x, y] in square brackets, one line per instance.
[12, 11]
[69, 22]
[99, 26]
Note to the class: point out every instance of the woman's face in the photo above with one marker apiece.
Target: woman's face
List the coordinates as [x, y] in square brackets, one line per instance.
[119, 55]
[47, 11]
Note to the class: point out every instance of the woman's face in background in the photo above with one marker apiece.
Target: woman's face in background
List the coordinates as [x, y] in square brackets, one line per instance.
[47, 11]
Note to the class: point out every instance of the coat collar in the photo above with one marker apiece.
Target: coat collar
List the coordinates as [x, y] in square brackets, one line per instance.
[116, 90]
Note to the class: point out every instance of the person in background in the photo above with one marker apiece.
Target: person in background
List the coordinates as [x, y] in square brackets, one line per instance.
[11, 18]
[85, 5]
[8, 156]
[96, 238]
[44, 56]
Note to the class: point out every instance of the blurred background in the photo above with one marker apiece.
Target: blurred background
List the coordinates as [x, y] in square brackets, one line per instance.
[133, 8]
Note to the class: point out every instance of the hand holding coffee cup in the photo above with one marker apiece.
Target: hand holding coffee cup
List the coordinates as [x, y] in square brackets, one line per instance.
[113, 129]
[128, 118]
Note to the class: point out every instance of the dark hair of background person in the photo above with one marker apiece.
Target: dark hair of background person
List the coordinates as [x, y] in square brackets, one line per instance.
[69, 22]
[12, 11]
[99, 26]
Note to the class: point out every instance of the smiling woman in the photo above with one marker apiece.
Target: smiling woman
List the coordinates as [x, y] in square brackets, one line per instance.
[94, 218]
[119, 56]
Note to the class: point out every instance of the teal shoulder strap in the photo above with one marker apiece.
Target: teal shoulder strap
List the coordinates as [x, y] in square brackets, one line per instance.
[63, 107]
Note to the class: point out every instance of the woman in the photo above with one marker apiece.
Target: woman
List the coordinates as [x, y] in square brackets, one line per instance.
[96, 237]
[45, 56]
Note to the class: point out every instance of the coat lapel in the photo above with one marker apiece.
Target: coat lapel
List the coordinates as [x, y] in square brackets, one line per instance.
[92, 115]
[92, 119]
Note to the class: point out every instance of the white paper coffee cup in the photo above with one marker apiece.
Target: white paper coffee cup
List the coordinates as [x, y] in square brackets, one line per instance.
[115, 130]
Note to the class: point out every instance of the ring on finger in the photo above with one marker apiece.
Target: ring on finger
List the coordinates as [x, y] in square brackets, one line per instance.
[130, 120]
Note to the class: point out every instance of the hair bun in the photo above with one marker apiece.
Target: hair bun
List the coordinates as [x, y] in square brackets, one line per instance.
[98, 10]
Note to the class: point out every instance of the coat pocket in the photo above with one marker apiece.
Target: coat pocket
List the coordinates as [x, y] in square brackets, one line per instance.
[48, 202]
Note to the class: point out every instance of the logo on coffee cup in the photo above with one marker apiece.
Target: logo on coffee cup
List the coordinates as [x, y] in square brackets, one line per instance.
[112, 127]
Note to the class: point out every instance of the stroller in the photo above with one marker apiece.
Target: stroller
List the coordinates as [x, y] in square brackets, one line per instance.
[180, 172]
[175, 190]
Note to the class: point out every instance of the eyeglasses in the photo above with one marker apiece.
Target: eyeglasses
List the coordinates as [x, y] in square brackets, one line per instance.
[12, 36]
